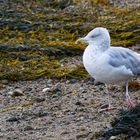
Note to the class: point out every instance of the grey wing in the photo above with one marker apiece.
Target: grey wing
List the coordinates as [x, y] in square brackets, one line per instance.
[124, 57]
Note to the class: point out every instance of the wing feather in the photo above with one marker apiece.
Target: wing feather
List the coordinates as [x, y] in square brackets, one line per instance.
[124, 57]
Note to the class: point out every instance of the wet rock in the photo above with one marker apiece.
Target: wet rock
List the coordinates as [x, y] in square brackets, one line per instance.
[17, 92]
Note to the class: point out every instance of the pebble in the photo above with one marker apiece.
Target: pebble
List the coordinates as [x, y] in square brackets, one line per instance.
[28, 127]
[5, 82]
[72, 81]
[38, 99]
[17, 92]
[49, 82]
[64, 132]
[45, 90]
[12, 119]
[79, 103]
[10, 93]
[42, 114]
[112, 138]
[82, 135]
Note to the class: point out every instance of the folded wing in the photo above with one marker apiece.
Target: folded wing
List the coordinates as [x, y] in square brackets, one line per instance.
[124, 57]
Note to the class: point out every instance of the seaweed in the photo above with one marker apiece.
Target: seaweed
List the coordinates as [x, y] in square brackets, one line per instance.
[127, 122]
[50, 31]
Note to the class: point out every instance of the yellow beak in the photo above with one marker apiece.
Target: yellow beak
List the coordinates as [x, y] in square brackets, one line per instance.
[81, 40]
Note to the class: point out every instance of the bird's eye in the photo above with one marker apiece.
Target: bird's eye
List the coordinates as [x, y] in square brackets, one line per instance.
[93, 36]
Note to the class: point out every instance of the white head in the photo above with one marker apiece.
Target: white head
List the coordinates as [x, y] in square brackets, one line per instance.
[97, 37]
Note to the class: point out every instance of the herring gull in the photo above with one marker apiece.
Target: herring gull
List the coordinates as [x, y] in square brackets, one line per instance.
[109, 65]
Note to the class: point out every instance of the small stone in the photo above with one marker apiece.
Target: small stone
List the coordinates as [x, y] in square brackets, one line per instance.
[45, 90]
[17, 92]
[72, 81]
[49, 81]
[10, 93]
[29, 89]
[82, 135]
[12, 119]
[5, 82]
[82, 129]
[64, 132]
[42, 114]
[80, 118]
[27, 128]
[98, 133]
[84, 91]
[39, 99]
[112, 138]
[79, 103]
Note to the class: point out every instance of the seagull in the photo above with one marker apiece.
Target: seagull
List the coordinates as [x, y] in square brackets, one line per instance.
[109, 65]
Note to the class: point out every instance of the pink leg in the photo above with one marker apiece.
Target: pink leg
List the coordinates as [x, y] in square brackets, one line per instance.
[128, 99]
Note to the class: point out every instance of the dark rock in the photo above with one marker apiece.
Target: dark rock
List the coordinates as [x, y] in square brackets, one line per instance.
[28, 128]
[42, 114]
[38, 99]
[79, 103]
[55, 91]
[82, 135]
[13, 119]
[72, 81]
[84, 91]
[10, 129]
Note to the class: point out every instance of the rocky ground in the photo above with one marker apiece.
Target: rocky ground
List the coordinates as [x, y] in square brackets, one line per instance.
[39, 41]
[51, 109]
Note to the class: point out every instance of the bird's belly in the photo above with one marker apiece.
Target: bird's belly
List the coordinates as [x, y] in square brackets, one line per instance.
[104, 73]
